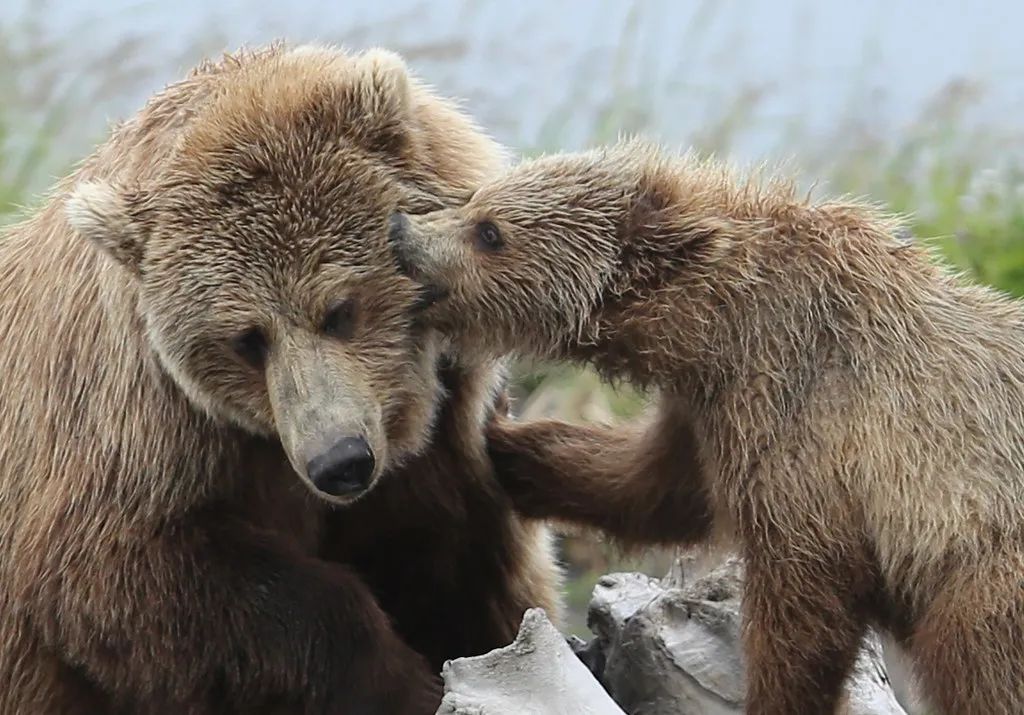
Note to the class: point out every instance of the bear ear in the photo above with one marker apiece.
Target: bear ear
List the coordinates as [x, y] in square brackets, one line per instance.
[380, 105]
[100, 212]
[659, 213]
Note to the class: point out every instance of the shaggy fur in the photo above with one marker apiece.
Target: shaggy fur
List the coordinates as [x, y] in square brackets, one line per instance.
[159, 553]
[845, 408]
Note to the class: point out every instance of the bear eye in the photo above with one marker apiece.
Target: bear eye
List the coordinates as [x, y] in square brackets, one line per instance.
[251, 345]
[488, 237]
[340, 320]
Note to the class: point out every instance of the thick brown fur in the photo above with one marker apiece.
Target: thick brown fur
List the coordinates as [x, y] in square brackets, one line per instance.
[845, 408]
[159, 551]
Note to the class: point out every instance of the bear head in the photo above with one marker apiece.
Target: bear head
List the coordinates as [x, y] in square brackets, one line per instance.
[549, 258]
[260, 259]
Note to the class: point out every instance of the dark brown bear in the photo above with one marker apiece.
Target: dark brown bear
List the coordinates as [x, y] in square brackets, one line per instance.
[845, 409]
[202, 319]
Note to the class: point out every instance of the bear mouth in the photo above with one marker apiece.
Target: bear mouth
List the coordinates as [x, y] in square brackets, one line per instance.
[429, 295]
[405, 264]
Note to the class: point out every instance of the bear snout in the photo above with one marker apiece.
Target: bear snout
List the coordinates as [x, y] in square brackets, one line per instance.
[398, 233]
[346, 469]
[409, 258]
[398, 227]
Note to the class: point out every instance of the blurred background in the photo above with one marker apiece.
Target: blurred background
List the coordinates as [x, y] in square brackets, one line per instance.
[915, 104]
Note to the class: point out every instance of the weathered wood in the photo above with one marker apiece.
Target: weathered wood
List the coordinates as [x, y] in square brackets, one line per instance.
[538, 674]
[668, 646]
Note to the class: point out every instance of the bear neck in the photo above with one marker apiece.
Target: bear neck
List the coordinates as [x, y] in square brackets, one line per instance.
[635, 330]
[99, 403]
[712, 300]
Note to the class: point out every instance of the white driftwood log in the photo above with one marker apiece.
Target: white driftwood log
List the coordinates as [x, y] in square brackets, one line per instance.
[668, 646]
[673, 646]
[537, 675]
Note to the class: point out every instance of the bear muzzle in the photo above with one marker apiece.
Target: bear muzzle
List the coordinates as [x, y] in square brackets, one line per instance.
[410, 259]
[398, 237]
[344, 470]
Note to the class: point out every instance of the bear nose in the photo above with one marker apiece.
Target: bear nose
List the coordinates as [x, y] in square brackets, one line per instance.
[398, 227]
[344, 469]
[398, 224]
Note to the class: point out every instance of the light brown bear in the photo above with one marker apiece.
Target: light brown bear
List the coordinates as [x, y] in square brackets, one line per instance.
[206, 307]
[845, 408]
